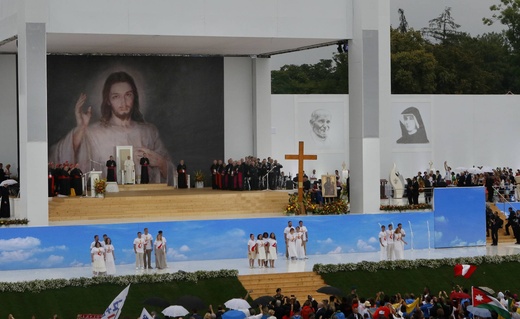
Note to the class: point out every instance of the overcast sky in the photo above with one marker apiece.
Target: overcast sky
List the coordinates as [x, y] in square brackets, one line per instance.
[467, 13]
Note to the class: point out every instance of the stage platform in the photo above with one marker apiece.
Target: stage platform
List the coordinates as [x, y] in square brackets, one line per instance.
[282, 265]
[154, 202]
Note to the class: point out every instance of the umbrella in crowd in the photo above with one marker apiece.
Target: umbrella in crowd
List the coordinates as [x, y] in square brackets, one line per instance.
[233, 314]
[329, 290]
[488, 290]
[157, 302]
[175, 311]
[237, 303]
[479, 312]
[8, 182]
[190, 302]
[264, 300]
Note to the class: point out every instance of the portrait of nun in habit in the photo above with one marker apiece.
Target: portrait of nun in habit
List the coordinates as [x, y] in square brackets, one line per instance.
[412, 127]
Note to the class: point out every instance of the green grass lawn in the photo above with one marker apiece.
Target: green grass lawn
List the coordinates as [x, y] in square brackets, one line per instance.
[499, 277]
[70, 301]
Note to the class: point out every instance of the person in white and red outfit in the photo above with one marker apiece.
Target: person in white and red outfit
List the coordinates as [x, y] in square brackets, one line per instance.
[383, 243]
[160, 252]
[139, 251]
[251, 250]
[273, 250]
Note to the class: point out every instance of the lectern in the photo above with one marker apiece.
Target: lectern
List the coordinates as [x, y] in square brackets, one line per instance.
[93, 175]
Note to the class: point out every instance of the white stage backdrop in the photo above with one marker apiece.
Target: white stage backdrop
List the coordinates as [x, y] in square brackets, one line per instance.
[464, 130]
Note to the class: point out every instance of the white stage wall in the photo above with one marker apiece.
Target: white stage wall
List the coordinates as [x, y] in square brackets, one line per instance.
[464, 130]
[8, 119]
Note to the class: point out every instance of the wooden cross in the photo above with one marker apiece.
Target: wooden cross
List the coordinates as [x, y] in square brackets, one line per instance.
[300, 157]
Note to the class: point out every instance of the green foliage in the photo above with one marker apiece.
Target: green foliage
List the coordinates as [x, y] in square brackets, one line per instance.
[507, 13]
[443, 27]
[330, 76]
[392, 281]
[452, 62]
[69, 301]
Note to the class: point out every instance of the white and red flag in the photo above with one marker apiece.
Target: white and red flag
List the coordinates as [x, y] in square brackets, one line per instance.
[464, 270]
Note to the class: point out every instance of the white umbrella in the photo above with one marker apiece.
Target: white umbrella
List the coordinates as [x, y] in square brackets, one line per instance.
[175, 311]
[474, 170]
[237, 303]
[487, 169]
[8, 182]
[479, 312]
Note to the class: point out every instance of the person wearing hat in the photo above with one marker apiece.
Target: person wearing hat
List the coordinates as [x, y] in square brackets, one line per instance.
[355, 312]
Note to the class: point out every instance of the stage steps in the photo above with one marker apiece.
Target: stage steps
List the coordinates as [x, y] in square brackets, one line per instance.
[300, 284]
[502, 237]
[168, 204]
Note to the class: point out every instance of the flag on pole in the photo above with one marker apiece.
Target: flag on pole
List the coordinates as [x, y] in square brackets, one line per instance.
[145, 314]
[114, 309]
[482, 299]
[464, 270]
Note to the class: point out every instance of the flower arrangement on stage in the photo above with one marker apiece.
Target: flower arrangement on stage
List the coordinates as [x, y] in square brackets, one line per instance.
[40, 285]
[8, 222]
[374, 266]
[100, 186]
[199, 176]
[336, 207]
[400, 208]
[292, 208]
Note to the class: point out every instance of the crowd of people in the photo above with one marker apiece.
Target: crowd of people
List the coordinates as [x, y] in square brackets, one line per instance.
[382, 306]
[253, 173]
[500, 183]
[250, 173]
[103, 253]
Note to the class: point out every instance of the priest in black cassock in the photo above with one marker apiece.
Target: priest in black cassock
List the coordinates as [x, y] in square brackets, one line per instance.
[5, 208]
[111, 170]
[76, 176]
[145, 162]
[181, 171]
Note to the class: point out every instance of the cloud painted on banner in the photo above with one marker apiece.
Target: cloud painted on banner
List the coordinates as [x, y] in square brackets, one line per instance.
[19, 243]
[372, 240]
[335, 251]
[173, 254]
[364, 246]
[458, 242]
[441, 219]
[7, 257]
[76, 263]
[52, 260]
[438, 235]
[326, 241]
[184, 248]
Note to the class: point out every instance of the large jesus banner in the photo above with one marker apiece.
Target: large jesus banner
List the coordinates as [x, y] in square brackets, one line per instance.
[167, 108]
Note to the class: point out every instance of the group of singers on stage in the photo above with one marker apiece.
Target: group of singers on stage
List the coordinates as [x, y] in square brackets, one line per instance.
[246, 174]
